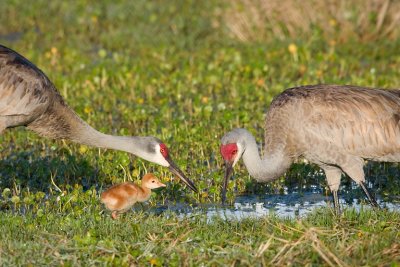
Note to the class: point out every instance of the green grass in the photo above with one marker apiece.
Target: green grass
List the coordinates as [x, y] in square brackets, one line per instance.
[72, 239]
[172, 71]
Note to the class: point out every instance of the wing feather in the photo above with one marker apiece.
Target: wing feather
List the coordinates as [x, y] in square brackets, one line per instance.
[359, 121]
[23, 87]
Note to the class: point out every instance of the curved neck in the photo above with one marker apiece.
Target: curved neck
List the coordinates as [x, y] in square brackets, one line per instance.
[268, 168]
[61, 122]
[137, 145]
[89, 136]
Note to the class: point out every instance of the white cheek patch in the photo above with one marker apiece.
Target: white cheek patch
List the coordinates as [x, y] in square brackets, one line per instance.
[161, 160]
[155, 157]
[238, 154]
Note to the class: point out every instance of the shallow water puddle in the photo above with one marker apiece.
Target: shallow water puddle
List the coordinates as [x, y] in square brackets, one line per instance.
[291, 205]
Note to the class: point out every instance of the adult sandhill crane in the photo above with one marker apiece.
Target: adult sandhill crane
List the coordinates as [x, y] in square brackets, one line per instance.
[28, 98]
[335, 127]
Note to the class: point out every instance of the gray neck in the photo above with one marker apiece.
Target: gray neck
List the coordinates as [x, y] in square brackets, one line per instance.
[268, 168]
[89, 136]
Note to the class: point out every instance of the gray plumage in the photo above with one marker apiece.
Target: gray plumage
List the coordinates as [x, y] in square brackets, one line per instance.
[335, 127]
[28, 98]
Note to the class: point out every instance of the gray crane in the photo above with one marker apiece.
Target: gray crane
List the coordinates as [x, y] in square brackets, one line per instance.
[28, 98]
[335, 127]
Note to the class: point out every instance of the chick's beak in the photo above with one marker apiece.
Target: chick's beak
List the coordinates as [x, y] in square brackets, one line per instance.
[228, 173]
[175, 170]
[161, 184]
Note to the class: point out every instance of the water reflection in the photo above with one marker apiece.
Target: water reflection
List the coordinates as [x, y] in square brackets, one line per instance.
[291, 205]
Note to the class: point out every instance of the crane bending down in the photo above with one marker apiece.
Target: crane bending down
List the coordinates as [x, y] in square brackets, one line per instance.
[335, 127]
[28, 98]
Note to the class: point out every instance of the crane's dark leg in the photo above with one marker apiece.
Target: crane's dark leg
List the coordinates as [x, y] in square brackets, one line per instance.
[336, 204]
[333, 175]
[356, 172]
[370, 197]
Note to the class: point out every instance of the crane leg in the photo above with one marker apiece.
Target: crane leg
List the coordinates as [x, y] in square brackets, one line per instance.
[370, 197]
[356, 173]
[333, 175]
[336, 202]
[2, 126]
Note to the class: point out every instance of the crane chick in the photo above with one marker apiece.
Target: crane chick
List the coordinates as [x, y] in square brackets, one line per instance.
[121, 197]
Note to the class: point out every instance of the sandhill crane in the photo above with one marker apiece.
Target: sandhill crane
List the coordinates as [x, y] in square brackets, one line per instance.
[335, 127]
[28, 98]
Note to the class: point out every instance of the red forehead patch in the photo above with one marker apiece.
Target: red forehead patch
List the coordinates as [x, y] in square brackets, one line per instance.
[227, 151]
[164, 150]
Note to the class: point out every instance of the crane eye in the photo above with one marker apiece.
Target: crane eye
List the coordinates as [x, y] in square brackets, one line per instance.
[163, 150]
[234, 152]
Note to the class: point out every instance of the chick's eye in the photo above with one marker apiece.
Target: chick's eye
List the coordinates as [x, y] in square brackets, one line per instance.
[153, 181]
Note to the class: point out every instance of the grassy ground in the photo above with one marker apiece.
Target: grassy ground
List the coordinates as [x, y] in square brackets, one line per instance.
[364, 239]
[174, 71]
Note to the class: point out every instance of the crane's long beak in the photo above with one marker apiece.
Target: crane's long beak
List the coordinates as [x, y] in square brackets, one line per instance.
[174, 169]
[228, 173]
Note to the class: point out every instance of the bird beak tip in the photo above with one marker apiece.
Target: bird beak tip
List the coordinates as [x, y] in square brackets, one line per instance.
[174, 169]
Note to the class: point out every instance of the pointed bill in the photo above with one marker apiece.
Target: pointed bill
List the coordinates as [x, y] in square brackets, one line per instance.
[228, 173]
[161, 184]
[175, 170]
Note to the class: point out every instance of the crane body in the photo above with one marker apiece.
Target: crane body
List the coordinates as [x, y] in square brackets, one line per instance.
[335, 127]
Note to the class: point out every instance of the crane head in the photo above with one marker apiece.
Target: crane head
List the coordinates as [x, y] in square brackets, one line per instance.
[232, 148]
[154, 150]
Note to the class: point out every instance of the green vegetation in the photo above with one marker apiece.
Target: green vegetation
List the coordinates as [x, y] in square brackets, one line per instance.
[175, 70]
[91, 239]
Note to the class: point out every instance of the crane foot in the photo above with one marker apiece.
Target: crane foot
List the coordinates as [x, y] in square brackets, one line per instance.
[114, 215]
